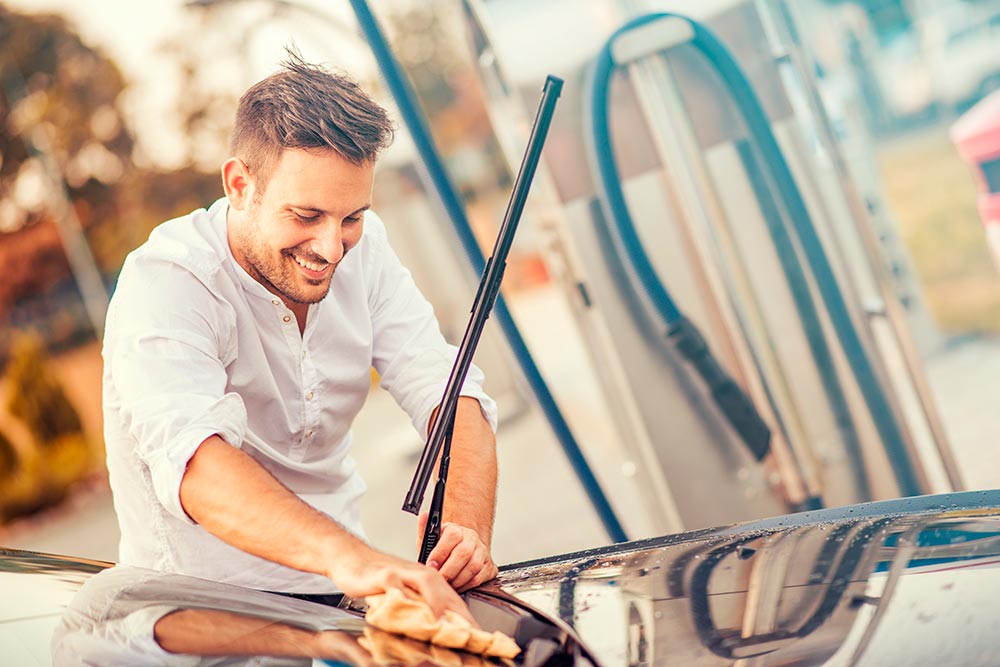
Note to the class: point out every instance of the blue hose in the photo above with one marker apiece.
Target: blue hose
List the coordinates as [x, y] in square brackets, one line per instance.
[732, 401]
[774, 162]
[415, 122]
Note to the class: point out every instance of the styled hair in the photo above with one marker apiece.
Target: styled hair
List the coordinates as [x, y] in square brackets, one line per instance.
[306, 106]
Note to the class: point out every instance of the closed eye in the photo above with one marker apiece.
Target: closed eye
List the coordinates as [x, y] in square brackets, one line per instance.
[306, 218]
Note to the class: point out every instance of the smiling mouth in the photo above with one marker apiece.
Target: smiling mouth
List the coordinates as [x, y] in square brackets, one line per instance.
[312, 269]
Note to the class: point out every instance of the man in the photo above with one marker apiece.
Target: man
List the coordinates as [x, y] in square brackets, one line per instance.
[238, 350]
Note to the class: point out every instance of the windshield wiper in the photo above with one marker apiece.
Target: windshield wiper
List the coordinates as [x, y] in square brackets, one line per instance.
[439, 441]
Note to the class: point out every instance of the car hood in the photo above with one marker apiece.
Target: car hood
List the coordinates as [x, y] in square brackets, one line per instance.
[912, 581]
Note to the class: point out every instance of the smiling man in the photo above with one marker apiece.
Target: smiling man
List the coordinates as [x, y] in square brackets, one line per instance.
[238, 351]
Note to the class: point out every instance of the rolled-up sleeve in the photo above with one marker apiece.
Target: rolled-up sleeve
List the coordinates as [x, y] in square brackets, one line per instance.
[167, 348]
[409, 352]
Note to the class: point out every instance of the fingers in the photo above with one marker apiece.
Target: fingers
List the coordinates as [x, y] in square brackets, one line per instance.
[462, 558]
[487, 571]
[464, 561]
[436, 592]
[459, 561]
[450, 538]
[468, 577]
[420, 582]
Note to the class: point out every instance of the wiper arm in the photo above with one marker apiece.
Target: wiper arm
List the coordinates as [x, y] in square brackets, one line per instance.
[439, 441]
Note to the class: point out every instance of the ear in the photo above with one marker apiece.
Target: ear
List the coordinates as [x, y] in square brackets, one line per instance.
[237, 183]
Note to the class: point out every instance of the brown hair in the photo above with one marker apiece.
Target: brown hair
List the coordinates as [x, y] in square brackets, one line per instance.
[306, 106]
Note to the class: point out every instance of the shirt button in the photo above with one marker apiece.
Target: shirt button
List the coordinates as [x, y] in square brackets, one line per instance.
[286, 318]
[309, 396]
[275, 302]
[309, 434]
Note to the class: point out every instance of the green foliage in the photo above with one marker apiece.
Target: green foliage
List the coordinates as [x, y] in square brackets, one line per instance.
[36, 397]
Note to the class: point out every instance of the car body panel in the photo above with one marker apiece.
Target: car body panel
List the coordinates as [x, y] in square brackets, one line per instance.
[911, 581]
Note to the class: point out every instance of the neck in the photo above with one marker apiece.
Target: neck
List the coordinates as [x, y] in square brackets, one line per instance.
[300, 310]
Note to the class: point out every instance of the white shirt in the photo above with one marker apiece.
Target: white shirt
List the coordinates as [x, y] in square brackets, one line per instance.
[194, 346]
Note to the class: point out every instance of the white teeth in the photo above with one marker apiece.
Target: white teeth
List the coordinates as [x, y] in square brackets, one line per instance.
[310, 265]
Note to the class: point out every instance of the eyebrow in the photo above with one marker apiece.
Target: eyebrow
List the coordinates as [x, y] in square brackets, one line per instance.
[321, 211]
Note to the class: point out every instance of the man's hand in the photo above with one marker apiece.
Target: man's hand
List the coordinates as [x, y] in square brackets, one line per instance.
[369, 572]
[460, 555]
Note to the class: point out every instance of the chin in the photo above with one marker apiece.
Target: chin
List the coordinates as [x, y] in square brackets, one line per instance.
[314, 295]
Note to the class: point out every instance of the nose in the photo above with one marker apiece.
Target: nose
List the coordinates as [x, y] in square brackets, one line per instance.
[329, 243]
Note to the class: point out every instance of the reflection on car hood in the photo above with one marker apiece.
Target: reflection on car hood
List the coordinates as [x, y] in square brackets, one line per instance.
[71, 612]
[905, 582]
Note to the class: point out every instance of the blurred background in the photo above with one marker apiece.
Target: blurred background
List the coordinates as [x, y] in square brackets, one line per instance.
[113, 121]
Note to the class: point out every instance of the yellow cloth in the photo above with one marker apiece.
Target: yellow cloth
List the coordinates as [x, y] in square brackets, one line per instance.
[394, 612]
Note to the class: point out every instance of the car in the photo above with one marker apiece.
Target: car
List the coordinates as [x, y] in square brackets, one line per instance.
[912, 581]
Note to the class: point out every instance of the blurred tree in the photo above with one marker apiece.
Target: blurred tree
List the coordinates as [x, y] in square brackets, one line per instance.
[56, 88]
[8, 457]
[53, 84]
[210, 78]
[36, 397]
[59, 455]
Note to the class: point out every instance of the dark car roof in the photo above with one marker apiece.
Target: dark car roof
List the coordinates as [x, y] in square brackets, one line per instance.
[912, 581]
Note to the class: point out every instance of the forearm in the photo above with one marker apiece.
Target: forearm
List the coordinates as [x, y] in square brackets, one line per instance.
[236, 499]
[470, 499]
[210, 632]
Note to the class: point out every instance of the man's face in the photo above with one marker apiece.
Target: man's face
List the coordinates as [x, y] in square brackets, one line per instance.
[292, 236]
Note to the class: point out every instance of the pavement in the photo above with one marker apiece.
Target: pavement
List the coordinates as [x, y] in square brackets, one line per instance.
[542, 509]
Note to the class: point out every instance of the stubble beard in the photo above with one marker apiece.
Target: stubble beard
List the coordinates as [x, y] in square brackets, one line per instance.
[279, 271]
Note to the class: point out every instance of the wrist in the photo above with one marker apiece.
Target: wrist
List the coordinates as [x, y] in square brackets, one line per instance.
[342, 556]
